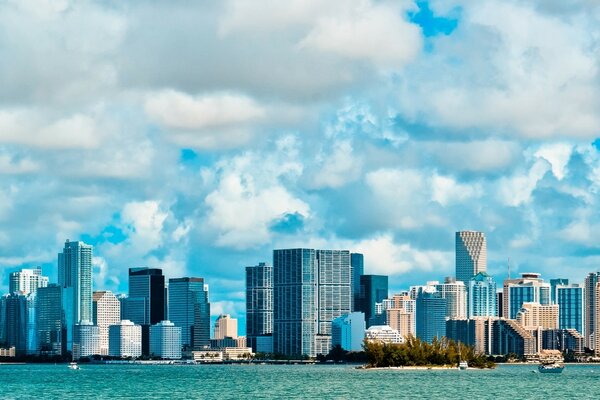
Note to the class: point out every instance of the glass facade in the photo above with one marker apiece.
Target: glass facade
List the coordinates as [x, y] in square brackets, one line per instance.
[146, 301]
[430, 316]
[357, 262]
[471, 254]
[189, 309]
[259, 302]
[373, 290]
[570, 305]
[482, 296]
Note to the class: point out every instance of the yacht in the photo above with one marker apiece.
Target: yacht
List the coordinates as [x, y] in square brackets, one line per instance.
[73, 365]
[463, 365]
[551, 368]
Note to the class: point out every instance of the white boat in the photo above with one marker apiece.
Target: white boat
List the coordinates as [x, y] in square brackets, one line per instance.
[73, 365]
[551, 368]
[463, 365]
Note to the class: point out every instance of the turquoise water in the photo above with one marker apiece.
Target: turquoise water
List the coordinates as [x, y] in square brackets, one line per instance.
[292, 381]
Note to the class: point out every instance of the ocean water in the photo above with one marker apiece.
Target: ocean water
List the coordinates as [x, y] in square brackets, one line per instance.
[293, 381]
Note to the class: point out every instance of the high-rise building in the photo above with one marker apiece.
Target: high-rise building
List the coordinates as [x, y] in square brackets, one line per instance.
[27, 281]
[225, 326]
[75, 275]
[476, 332]
[529, 288]
[534, 315]
[310, 289]
[595, 341]
[401, 314]
[373, 290]
[500, 304]
[146, 301]
[50, 324]
[14, 307]
[590, 309]
[357, 263]
[32, 344]
[348, 331]
[431, 316]
[508, 336]
[106, 312]
[571, 310]
[554, 283]
[455, 293]
[482, 296]
[259, 303]
[471, 254]
[165, 340]
[86, 340]
[190, 310]
[125, 340]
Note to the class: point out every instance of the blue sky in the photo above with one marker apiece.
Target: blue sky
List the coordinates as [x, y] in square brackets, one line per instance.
[198, 137]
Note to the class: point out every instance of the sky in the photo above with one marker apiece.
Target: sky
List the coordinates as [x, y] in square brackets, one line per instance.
[196, 137]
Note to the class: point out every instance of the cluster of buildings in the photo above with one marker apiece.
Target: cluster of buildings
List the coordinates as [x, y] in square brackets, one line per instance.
[310, 300]
[155, 319]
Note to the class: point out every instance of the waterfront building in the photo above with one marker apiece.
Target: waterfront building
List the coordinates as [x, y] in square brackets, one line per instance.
[481, 296]
[310, 289]
[14, 309]
[565, 340]
[165, 340]
[207, 356]
[476, 332]
[591, 281]
[455, 293]
[510, 337]
[106, 310]
[189, 309]
[357, 264]
[259, 305]
[571, 308]
[596, 335]
[225, 326]
[239, 341]
[125, 340]
[27, 281]
[8, 352]
[534, 315]
[86, 340]
[373, 290]
[348, 331]
[430, 316]
[50, 321]
[471, 254]
[400, 314]
[75, 276]
[263, 344]
[529, 288]
[383, 333]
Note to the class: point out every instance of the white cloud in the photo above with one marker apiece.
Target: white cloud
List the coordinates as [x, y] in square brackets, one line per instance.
[517, 189]
[446, 190]
[13, 165]
[337, 167]
[477, 155]
[558, 155]
[144, 222]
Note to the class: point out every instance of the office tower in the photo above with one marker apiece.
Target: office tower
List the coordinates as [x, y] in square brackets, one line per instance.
[534, 315]
[384, 334]
[590, 309]
[400, 314]
[14, 307]
[455, 293]
[508, 336]
[476, 332]
[27, 281]
[86, 340]
[570, 302]
[32, 344]
[348, 331]
[106, 312]
[50, 324]
[430, 316]
[165, 340]
[471, 254]
[596, 335]
[310, 289]
[125, 340]
[357, 263]
[259, 306]
[482, 296]
[565, 340]
[554, 283]
[190, 310]
[529, 288]
[146, 301]
[225, 326]
[373, 289]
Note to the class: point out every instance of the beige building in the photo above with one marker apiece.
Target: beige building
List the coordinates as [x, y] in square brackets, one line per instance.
[225, 326]
[401, 314]
[106, 312]
[596, 336]
[535, 315]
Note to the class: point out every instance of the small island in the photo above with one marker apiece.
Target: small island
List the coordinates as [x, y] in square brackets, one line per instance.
[442, 353]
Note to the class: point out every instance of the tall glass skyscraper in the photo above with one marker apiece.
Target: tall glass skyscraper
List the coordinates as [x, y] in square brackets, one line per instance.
[51, 332]
[471, 254]
[357, 262]
[530, 287]
[373, 289]
[15, 310]
[146, 301]
[189, 309]
[570, 305]
[482, 296]
[75, 274]
[310, 289]
[554, 283]
[259, 302]
[430, 316]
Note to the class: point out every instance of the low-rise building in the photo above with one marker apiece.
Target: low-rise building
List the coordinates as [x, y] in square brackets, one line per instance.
[207, 356]
[383, 333]
[10, 352]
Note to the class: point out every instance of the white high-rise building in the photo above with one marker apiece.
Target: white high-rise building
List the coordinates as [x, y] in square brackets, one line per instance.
[471, 254]
[27, 281]
[125, 340]
[455, 293]
[106, 312]
[225, 326]
[85, 340]
[165, 340]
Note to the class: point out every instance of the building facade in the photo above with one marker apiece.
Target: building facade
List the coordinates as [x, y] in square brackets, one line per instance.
[125, 340]
[146, 300]
[86, 340]
[259, 303]
[373, 290]
[27, 281]
[535, 315]
[482, 296]
[384, 334]
[591, 281]
[348, 331]
[570, 300]
[189, 309]
[165, 340]
[225, 326]
[529, 288]
[106, 310]
[15, 316]
[471, 254]
[357, 263]
[50, 321]
[430, 316]
[455, 293]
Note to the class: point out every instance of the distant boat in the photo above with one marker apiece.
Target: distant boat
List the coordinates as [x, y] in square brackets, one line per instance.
[463, 365]
[551, 368]
[73, 365]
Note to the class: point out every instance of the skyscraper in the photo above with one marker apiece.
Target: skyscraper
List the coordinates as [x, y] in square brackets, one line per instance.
[15, 318]
[86, 340]
[106, 312]
[554, 283]
[570, 302]
[455, 293]
[590, 308]
[146, 301]
[259, 303]
[225, 326]
[482, 296]
[51, 329]
[75, 274]
[310, 289]
[430, 316]
[373, 289]
[357, 262]
[471, 254]
[27, 281]
[189, 309]
[529, 288]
